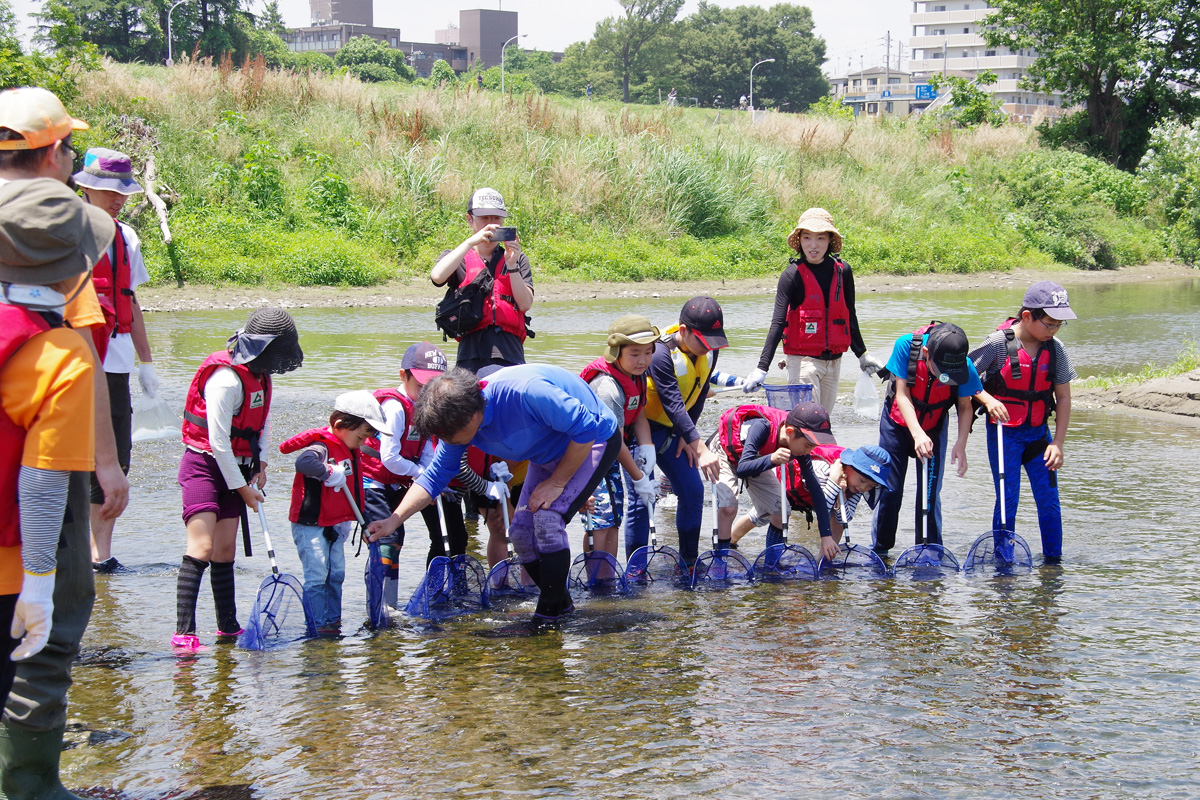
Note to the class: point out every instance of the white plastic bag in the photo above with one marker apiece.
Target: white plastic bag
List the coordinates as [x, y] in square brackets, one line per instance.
[866, 397]
[154, 419]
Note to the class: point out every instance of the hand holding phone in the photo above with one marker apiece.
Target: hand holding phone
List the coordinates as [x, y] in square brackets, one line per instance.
[504, 234]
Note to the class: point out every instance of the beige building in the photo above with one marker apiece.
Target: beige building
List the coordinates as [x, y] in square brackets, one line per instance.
[876, 91]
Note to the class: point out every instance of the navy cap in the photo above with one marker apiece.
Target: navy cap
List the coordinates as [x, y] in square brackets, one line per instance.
[948, 354]
[1050, 297]
[812, 420]
[424, 361]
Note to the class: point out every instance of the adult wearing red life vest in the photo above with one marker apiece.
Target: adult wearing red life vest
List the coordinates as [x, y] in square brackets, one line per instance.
[226, 435]
[499, 338]
[930, 374]
[1027, 368]
[814, 314]
[107, 182]
[755, 440]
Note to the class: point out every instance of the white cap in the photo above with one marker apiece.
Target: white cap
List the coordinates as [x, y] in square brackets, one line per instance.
[363, 404]
[487, 203]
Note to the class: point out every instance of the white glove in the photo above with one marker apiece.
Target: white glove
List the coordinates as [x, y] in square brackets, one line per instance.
[646, 457]
[867, 363]
[33, 615]
[336, 479]
[497, 490]
[500, 472]
[645, 489]
[148, 377]
[754, 381]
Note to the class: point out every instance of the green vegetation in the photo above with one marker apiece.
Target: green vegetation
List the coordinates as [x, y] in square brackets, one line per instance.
[1187, 360]
[305, 178]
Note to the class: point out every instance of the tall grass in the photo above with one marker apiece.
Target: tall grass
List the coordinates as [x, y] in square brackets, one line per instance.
[283, 177]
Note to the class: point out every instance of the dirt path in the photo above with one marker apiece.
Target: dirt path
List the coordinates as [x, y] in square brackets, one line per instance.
[420, 292]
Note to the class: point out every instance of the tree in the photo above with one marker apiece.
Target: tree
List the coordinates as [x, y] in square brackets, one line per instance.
[271, 20]
[622, 38]
[969, 104]
[1132, 62]
[442, 74]
[372, 60]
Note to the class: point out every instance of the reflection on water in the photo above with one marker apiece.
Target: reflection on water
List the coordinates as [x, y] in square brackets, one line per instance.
[1072, 681]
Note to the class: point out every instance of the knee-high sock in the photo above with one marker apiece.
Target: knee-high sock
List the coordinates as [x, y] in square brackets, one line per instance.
[187, 588]
[224, 597]
[774, 535]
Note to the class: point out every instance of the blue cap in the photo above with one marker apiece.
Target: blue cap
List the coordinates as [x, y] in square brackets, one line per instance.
[871, 460]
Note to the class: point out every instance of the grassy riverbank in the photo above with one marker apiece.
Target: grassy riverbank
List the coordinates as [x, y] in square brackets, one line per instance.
[279, 178]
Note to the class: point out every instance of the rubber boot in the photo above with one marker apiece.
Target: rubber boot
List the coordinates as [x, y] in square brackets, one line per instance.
[29, 764]
[555, 600]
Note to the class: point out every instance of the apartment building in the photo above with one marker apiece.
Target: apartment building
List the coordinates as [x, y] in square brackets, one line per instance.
[947, 38]
[875, 91]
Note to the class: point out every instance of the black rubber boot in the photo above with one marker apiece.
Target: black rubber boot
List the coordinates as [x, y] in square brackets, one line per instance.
[29, 764]
[554, 600]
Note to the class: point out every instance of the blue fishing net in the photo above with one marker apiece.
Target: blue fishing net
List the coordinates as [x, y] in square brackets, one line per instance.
[998, 552]
[720, 568]
[508, 581]
[925, 562]
[597, 572]
[280, 615]
[853, 561]
[784, 562]
[451, 586]
[786, 397]
[375, 573]
[656, 566]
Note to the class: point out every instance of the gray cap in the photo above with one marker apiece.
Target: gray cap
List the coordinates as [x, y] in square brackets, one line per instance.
[1050, 297]
[363, 404]
[487, 202]
[47, 233]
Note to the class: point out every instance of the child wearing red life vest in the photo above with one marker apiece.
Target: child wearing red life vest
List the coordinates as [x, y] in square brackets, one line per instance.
[327, 488]
[1027, 368]
[930, 375]
[226, 435]
[618, 379]
[814, 312]
[752, 442]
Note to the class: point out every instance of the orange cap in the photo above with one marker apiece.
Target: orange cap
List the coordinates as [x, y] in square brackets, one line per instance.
[37, 115]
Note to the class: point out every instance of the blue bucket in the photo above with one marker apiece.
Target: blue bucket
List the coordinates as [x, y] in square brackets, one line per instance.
[786, 397]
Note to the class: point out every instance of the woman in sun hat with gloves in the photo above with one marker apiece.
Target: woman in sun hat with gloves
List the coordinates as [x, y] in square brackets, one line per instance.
[814, 312]
[107, 182]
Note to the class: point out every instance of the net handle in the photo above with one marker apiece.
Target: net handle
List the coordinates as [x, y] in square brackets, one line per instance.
[653, 530]
[783, 503]
[715, 534]
[1000, 465]
[354, 507]
[442, 524]
[262, 520]
[845, 522]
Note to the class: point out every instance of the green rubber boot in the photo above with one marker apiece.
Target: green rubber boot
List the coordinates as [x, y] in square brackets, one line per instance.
[29, 764]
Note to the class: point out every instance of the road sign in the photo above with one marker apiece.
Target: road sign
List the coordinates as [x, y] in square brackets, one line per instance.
[926, 92]
[887, 92]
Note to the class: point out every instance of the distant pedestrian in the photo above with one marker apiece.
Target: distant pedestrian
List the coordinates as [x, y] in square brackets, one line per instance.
[589, 91]
[672, 98]
[479, 79]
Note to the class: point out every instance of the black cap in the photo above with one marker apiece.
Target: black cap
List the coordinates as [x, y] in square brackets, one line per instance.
[703, 317]
[812, 420]
[948, 354]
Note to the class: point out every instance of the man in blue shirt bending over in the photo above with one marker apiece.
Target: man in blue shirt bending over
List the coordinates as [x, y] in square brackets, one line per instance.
[532, 412]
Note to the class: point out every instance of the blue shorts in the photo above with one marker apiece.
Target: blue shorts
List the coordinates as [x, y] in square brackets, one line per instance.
[609, 498]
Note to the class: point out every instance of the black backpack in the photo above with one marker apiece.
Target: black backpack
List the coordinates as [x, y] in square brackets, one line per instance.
[461, 310]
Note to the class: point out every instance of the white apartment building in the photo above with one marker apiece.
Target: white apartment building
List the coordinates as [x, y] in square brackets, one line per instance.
[947, 38]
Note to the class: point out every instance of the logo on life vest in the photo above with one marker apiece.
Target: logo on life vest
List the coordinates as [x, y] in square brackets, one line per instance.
[256, 399]
[633, 403]
[413, 436]
[345, 466]
[810, 327]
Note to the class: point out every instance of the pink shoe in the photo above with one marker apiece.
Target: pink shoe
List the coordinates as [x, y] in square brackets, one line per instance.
[229, 636]
[187, 643]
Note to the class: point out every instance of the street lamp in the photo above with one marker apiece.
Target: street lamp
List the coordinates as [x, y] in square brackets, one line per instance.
[506, 44]
[764, 61]
[170, 60]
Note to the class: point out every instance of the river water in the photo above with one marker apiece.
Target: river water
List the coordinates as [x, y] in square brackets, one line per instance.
[1073, 681]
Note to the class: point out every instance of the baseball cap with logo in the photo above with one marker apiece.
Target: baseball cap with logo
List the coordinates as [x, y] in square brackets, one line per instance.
[1050, 297]
[424, 361]
[363, 404]
[871, 460]
[812, 420]
[948, 354]
[47, 233]
[703, 316]
[487, 203]
[38, 116]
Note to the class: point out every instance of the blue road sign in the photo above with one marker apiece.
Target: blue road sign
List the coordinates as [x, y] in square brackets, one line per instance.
[926, 92]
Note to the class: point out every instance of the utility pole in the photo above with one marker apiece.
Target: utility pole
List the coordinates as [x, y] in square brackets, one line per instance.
[944, 56]
[887, 62]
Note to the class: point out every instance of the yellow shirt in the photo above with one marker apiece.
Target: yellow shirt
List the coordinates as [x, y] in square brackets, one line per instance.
[47, 388]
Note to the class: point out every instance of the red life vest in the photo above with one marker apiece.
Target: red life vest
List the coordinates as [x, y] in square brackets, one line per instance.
[249, 420]
[930, 397]
[634, 387]
[314, 503]
[799, 498]
[479, 462]
[820, 325]
[17, 326]
[500, 307]
[729, 428]
[1025, 384]
[112, 283]
[411, 442]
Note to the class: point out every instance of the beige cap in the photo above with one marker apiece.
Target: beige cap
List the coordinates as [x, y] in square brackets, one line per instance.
[47, 233]
[629, 329]
[36, 114]
[816, 220]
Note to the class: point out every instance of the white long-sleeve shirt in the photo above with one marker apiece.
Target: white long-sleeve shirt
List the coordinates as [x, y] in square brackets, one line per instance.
[223, 397]
[389, 446]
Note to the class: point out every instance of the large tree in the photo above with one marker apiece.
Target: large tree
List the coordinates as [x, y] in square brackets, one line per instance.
[624, 39]
[1131, 62]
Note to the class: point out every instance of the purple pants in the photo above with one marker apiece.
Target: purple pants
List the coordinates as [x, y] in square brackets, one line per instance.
[545, 531]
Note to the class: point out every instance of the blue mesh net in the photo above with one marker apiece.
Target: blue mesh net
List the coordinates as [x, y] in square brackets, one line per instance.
[784, 562]
[720, 568]
[597, 572]
[925, 562]
[451, 586]
[656, 566]
[508, 581]
[280, 615]
[998, 553]
[375, 573]
[786, 397]
[853, 561]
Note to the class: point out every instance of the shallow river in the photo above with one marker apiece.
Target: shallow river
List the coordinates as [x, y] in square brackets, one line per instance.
[1073, 681]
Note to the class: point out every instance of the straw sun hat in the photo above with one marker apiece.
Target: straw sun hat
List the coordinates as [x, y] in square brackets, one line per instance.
[816, 220]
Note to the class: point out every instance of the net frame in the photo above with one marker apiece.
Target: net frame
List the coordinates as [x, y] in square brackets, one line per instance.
[504, 581]
[276, 597]
[786, 396]
[452, 585]
[926, 562]
[655, 565]
[999, 551]
[852, 560]
[598, 573]
[782, 562]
